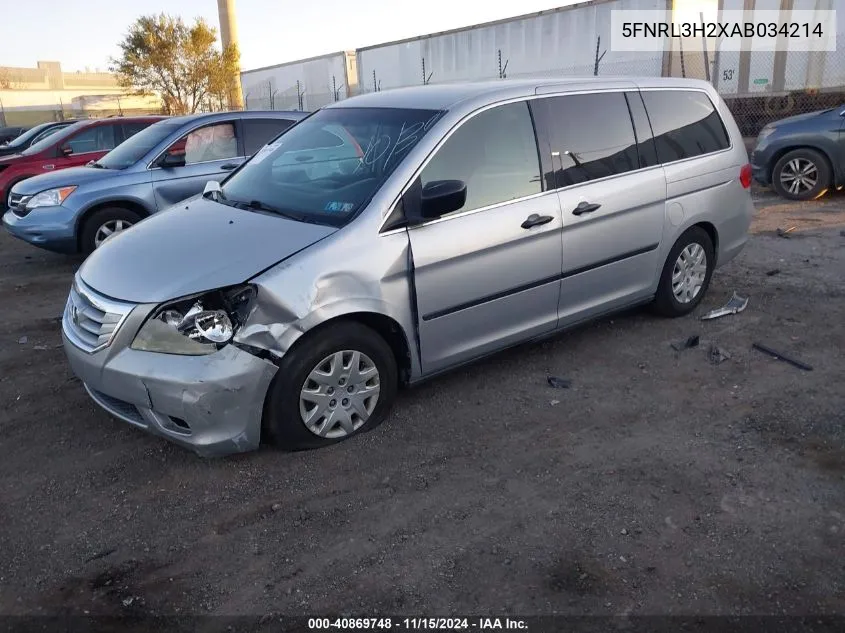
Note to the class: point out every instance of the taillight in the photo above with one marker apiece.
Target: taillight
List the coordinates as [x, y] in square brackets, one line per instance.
[745, 176]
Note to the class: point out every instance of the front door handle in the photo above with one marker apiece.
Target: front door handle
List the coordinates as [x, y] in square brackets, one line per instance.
[585, 207]
[536, 220]
[229, 166]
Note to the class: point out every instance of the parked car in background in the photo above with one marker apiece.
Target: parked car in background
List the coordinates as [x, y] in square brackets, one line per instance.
[10, 133]
[74, 145]
[32, 136]
[77, 209]
[802, 156]
[396, 235]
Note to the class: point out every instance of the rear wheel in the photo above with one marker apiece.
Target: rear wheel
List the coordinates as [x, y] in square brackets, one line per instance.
[686, 274]
[802, 174]
[337, 383]
[103, 224]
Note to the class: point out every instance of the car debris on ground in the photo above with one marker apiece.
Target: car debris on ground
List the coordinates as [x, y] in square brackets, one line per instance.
[718, 355]
[785, 232]
[559, 383]
[735, 305]
[687, 343]
[781, 356]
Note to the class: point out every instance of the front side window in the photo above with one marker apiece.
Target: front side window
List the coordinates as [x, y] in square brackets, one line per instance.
[96, 138]
[42, 135]
[685, 124]
[494, 153]
[327, 167]
[132, 150]
[212, 142]
[592, 137]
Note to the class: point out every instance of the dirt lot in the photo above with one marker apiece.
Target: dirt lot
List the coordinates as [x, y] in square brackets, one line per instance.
[658, 483]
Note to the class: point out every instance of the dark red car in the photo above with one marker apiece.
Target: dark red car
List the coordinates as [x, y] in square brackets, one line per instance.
[72, 146]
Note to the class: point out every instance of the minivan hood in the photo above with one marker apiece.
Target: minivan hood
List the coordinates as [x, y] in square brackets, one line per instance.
[63, 178]
[193, 247]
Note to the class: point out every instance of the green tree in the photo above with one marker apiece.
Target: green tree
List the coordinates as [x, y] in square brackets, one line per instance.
[183, 64]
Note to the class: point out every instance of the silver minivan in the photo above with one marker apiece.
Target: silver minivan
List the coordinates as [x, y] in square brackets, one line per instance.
[396, 235]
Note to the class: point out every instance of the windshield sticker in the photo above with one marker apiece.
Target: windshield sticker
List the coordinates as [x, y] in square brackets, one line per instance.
[264, 151]
[342, 207]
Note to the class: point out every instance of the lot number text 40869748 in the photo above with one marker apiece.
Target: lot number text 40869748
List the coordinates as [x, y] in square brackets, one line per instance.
[415, 624]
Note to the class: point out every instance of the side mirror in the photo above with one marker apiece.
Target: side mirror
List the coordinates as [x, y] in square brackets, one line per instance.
[66, 150]
[170, 160]
[440, 197]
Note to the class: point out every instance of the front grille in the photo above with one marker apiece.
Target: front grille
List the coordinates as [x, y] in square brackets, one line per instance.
[17, 203]
[90, 320]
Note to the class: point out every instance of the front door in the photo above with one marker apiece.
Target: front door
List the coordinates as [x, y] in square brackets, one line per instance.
[612, 196]
[206, 153]
[488, 274]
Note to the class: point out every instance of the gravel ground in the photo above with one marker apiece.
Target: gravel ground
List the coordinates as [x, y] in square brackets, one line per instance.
[658, 483]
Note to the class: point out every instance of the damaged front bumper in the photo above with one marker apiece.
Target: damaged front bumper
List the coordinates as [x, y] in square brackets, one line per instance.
[210, 404]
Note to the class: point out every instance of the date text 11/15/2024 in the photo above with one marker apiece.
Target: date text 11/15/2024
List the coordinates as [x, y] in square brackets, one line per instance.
[417, 624]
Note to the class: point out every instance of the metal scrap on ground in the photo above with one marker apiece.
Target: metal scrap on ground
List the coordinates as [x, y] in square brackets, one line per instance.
[735, 305]
[559, 383]
[718, 355]
[785, 233]
[691, 341]
[780, 356]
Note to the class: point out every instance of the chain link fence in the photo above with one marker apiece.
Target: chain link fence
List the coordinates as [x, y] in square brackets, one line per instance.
[297, 97]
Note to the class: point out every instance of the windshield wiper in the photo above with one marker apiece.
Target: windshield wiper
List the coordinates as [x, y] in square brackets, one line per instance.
[260, 206]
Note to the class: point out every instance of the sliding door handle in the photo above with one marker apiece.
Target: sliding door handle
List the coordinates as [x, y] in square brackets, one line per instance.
[585, 207]
[536, 220]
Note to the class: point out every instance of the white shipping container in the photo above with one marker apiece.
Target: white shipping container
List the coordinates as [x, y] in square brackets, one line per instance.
[560, 41]
[275, 87]
[752, 72]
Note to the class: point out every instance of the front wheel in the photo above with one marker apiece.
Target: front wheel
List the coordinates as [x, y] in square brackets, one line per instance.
[336, 383]
[103, 224]
[686, 273]
[802, 174]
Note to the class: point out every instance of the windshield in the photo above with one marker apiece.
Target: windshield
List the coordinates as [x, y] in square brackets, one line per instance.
[327, 167]
[24, 139]
[52, 139]
[138, 145]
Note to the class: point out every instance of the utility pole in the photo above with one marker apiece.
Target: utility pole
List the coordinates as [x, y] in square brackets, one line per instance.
[229, 37]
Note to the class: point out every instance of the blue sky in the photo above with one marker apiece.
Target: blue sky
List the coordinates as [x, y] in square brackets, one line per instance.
[85, 33]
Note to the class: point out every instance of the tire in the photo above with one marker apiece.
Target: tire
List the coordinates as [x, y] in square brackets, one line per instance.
[90, 229]
[813, 170]
[666, 303]
[284, 424]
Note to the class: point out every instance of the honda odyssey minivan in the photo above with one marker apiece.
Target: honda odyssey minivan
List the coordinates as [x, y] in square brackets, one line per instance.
[396, 235]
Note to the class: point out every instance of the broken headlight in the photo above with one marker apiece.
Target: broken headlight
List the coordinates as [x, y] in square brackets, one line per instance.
[196, 325]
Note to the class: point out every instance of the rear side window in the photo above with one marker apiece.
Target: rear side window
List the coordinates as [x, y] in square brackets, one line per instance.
[685, 124]
[259, 132]
[131, 129]
[494, 153]
[591, 136]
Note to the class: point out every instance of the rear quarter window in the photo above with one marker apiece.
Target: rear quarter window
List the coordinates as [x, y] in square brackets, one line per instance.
[259, 132]
[685, 124]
